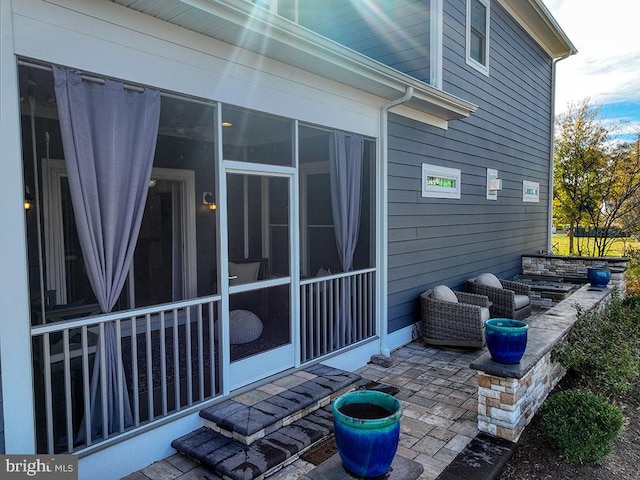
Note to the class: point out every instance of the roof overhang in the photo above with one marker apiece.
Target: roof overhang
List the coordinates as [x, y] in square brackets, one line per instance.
[255, 29]
[536, 19]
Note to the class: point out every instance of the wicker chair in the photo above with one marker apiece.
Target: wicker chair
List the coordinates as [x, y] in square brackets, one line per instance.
[454, 323]
[509, 299]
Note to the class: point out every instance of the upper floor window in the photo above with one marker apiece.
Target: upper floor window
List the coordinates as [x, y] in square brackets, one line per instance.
[478, 34]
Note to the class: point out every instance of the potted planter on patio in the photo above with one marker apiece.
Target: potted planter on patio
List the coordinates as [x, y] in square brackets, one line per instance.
[506, 339]
[367, 429]
[599, 276]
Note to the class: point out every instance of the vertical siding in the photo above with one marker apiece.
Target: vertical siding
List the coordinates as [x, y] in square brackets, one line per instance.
[394, 32]
[433, 241]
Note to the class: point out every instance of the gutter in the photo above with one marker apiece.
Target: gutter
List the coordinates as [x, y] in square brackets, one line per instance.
[383, 262]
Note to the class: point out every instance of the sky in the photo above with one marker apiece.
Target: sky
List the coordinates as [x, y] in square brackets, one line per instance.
[606, 68]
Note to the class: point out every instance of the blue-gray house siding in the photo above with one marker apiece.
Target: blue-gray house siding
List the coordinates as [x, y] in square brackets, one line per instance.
[434, 241]
[394, 32]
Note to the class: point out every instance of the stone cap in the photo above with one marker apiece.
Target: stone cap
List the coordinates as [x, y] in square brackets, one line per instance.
[545, 331]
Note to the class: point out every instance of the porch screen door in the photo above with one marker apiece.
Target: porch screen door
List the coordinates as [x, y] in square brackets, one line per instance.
[259, 255]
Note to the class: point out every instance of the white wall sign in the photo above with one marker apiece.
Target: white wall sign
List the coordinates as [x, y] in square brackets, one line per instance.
[440, 182]
[493, 184]
[530, 191]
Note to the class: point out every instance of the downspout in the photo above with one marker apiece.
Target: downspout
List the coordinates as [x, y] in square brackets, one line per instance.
[552, 147]
[383, 324]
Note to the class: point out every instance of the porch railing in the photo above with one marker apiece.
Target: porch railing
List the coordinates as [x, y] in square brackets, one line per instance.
[169, 357]
[170, 362]
[336, 312]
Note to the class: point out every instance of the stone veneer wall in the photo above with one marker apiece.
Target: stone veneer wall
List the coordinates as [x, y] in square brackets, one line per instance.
[510, 395]
[575, 267]
[507, 405]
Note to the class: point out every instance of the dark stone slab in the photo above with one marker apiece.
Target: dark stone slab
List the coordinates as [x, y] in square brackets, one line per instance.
[213, 459]
[223, 410]
[365, 384]
[200, 443]
[341, 379]
[401, 469]
[287, 442]
[482, 459]
[273, 409]
[303, 399]
[314, 390]
[313, 429]
[319, 369]
[322, 418]
[288, 405]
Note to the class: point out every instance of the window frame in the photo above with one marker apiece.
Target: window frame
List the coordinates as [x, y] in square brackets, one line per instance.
[444, 173]
[472, 62]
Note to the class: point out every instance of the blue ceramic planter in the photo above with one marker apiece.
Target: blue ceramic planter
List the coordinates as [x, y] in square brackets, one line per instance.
[506, 339]
[598, 276]
[366, 445]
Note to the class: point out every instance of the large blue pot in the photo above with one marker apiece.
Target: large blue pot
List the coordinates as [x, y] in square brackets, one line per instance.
[598, 276]
[506, 339]
[366, 445]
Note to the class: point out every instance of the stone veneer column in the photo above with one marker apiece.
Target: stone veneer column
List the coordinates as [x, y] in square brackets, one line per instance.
[507, 405]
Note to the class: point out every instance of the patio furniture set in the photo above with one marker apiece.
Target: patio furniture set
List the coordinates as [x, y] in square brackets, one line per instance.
[457, 318]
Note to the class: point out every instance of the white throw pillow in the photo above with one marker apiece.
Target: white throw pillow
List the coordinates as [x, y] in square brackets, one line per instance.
[444, 293]
[489, 279]
[520, 301]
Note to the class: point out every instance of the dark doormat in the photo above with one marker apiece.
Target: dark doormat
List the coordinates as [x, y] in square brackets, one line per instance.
[320, 452]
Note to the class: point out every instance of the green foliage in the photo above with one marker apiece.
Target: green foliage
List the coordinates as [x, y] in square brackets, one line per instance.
[581, 426]
[603, 348]
[617, 248]
[633, 271]
[596, 182]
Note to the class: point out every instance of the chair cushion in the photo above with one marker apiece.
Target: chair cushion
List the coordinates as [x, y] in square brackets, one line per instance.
[489, 279]
[444, 293]
[485, 314]
[520, 301]
[244, 327]
[245, 272]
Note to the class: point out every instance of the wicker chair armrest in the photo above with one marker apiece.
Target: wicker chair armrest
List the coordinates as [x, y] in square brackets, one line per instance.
[473, 299]
[517, 287]
[449, 310]
[496, 295]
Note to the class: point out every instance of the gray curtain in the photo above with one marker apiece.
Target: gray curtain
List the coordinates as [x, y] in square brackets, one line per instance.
[109, 139]
[345, 172]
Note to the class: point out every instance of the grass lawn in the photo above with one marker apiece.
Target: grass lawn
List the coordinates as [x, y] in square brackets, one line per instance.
[560, 245]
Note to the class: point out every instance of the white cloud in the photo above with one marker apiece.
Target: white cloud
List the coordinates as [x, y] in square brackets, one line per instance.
[607, 66]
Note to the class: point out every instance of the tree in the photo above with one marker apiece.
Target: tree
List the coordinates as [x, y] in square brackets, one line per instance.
[596, 182]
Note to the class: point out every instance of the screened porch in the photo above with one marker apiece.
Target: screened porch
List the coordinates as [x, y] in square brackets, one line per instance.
[212, 247]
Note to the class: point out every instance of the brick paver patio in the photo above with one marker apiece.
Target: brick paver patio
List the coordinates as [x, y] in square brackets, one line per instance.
[438, 392]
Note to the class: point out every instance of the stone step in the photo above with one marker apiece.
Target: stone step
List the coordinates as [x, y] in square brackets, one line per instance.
[237, 461]
[255, 414]
[255, 434]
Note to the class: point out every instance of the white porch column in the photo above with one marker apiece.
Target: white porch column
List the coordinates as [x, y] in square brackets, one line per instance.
[15, 335]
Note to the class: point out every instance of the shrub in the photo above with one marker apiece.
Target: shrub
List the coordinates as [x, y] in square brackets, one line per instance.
[603, 348]
[580, 426]
[633, 271]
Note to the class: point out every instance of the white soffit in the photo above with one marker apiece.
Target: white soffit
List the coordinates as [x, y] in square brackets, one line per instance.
[255, 29]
